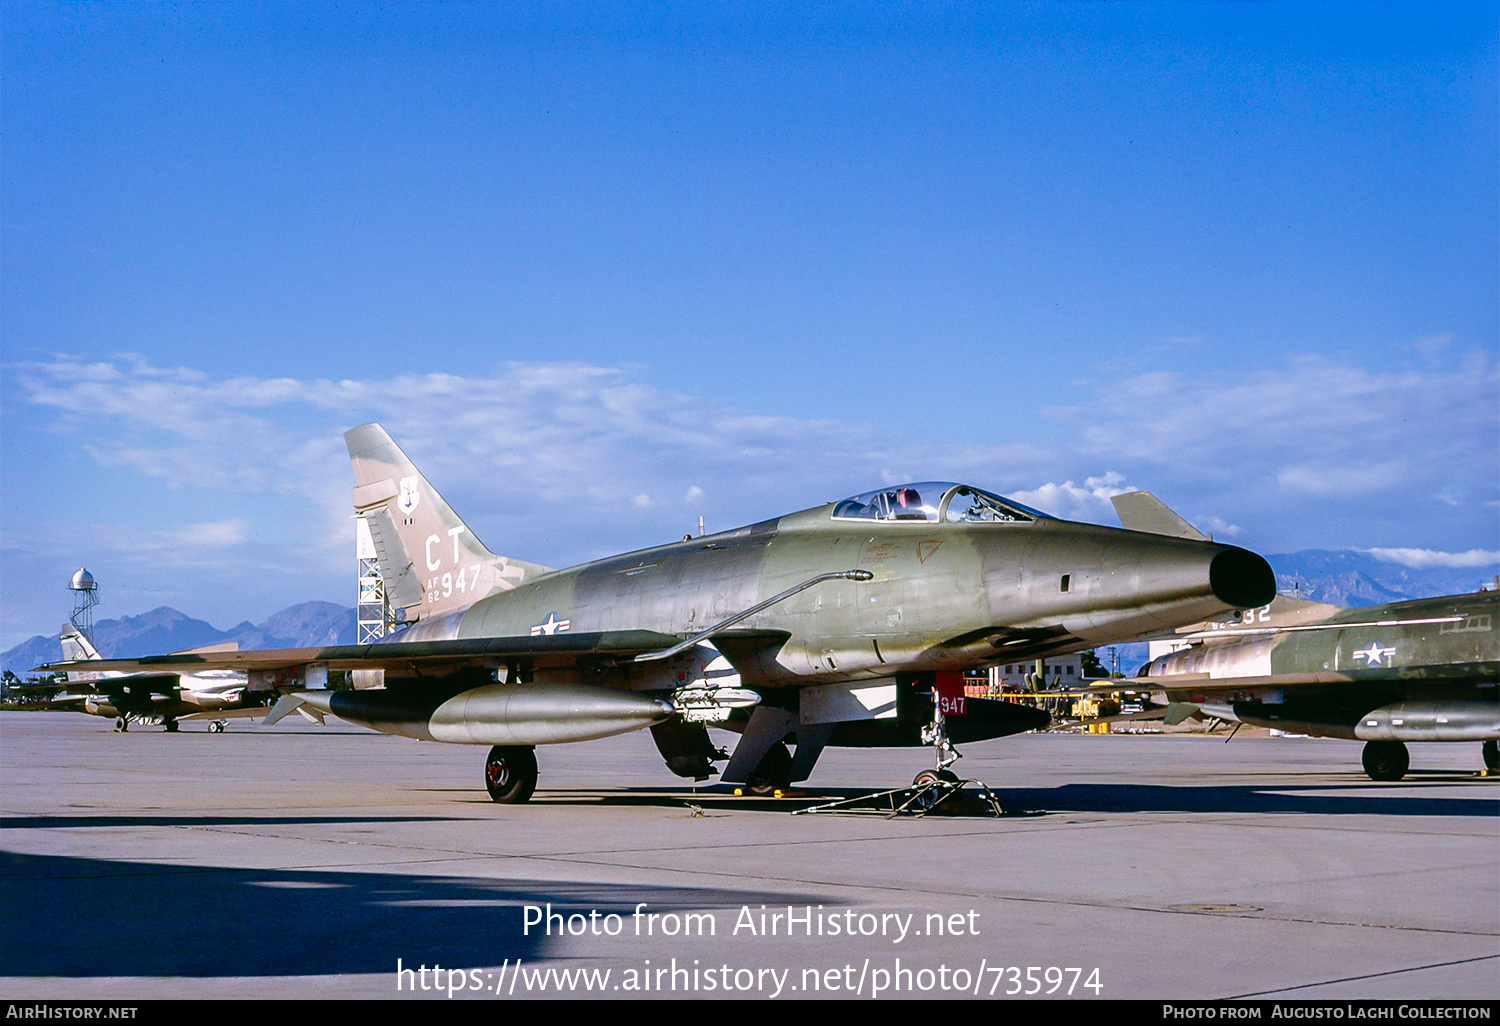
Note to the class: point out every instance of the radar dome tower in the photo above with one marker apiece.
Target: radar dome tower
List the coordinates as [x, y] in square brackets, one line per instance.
[85, 597]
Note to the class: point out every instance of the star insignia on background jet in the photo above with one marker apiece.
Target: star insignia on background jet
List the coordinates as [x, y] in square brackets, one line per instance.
[1375, 655]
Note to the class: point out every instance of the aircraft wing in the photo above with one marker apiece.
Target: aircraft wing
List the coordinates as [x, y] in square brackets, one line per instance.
[557, 650]
[64, 701]
[147, 680]
[1202, 683]
[238, 712]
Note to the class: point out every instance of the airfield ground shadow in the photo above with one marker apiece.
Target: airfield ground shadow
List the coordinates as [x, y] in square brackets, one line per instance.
[1319, 800]
[78, 917]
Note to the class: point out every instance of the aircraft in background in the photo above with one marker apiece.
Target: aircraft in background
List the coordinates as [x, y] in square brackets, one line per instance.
[1421, 670]
[841, 624]
[152, 696]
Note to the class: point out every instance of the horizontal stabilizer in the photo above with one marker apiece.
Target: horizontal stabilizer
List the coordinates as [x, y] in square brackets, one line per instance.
[1142, 511]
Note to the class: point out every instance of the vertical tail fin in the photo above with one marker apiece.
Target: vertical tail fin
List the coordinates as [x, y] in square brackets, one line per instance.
[76, 645]
[430, 560]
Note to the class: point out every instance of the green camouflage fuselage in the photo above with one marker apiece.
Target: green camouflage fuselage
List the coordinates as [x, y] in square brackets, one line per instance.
[1426, 669]
[944, 596]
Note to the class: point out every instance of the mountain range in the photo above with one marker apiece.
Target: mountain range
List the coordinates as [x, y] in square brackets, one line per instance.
[1344, 577]
[167, 630]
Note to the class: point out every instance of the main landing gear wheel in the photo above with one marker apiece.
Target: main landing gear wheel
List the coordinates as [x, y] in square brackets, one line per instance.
[217, 726]
[1385, 760]
[1491, 751]
[121, 725]
[774, 771]
[510, 773]
[170, 726]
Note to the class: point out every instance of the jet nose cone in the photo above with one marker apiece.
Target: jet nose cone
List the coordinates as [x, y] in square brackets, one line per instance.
[1241, 579]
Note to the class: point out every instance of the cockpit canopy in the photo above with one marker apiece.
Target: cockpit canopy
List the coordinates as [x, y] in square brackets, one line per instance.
[931, 501]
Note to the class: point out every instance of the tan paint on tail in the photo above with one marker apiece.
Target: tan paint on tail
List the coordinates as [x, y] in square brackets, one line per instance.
[431, 561]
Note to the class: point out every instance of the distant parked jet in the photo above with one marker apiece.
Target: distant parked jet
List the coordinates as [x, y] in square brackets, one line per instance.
[1421, 670]
[153, 696]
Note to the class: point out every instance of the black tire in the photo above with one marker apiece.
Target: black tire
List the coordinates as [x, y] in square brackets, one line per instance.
[170, 726]
[931, 776]
[774, 771]
[1385, 760]
[933, 796]
[510, 773]
[1491, 750]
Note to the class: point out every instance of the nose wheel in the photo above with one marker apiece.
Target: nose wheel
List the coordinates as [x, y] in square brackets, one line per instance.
[510, 773]
[934, 777]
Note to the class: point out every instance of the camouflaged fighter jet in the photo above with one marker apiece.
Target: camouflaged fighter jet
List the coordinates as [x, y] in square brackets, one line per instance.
[1423, 670]
[149, 697]
[835, 625]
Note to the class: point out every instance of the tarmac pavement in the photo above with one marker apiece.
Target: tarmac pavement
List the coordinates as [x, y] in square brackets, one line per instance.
[304, 861]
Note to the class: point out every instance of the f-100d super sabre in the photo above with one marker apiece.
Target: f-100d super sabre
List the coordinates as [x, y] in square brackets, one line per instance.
[1421, 670]
[215, 695]
[834, 625]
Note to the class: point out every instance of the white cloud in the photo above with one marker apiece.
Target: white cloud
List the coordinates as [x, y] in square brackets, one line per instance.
[1071, 502]
[1346, 480]
[1224, 422]
[549, 461]
[1422, 559]
[215, 535]
[1218, 527]
[1433, 347]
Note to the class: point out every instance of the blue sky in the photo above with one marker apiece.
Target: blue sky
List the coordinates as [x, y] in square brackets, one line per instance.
[604, 268]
